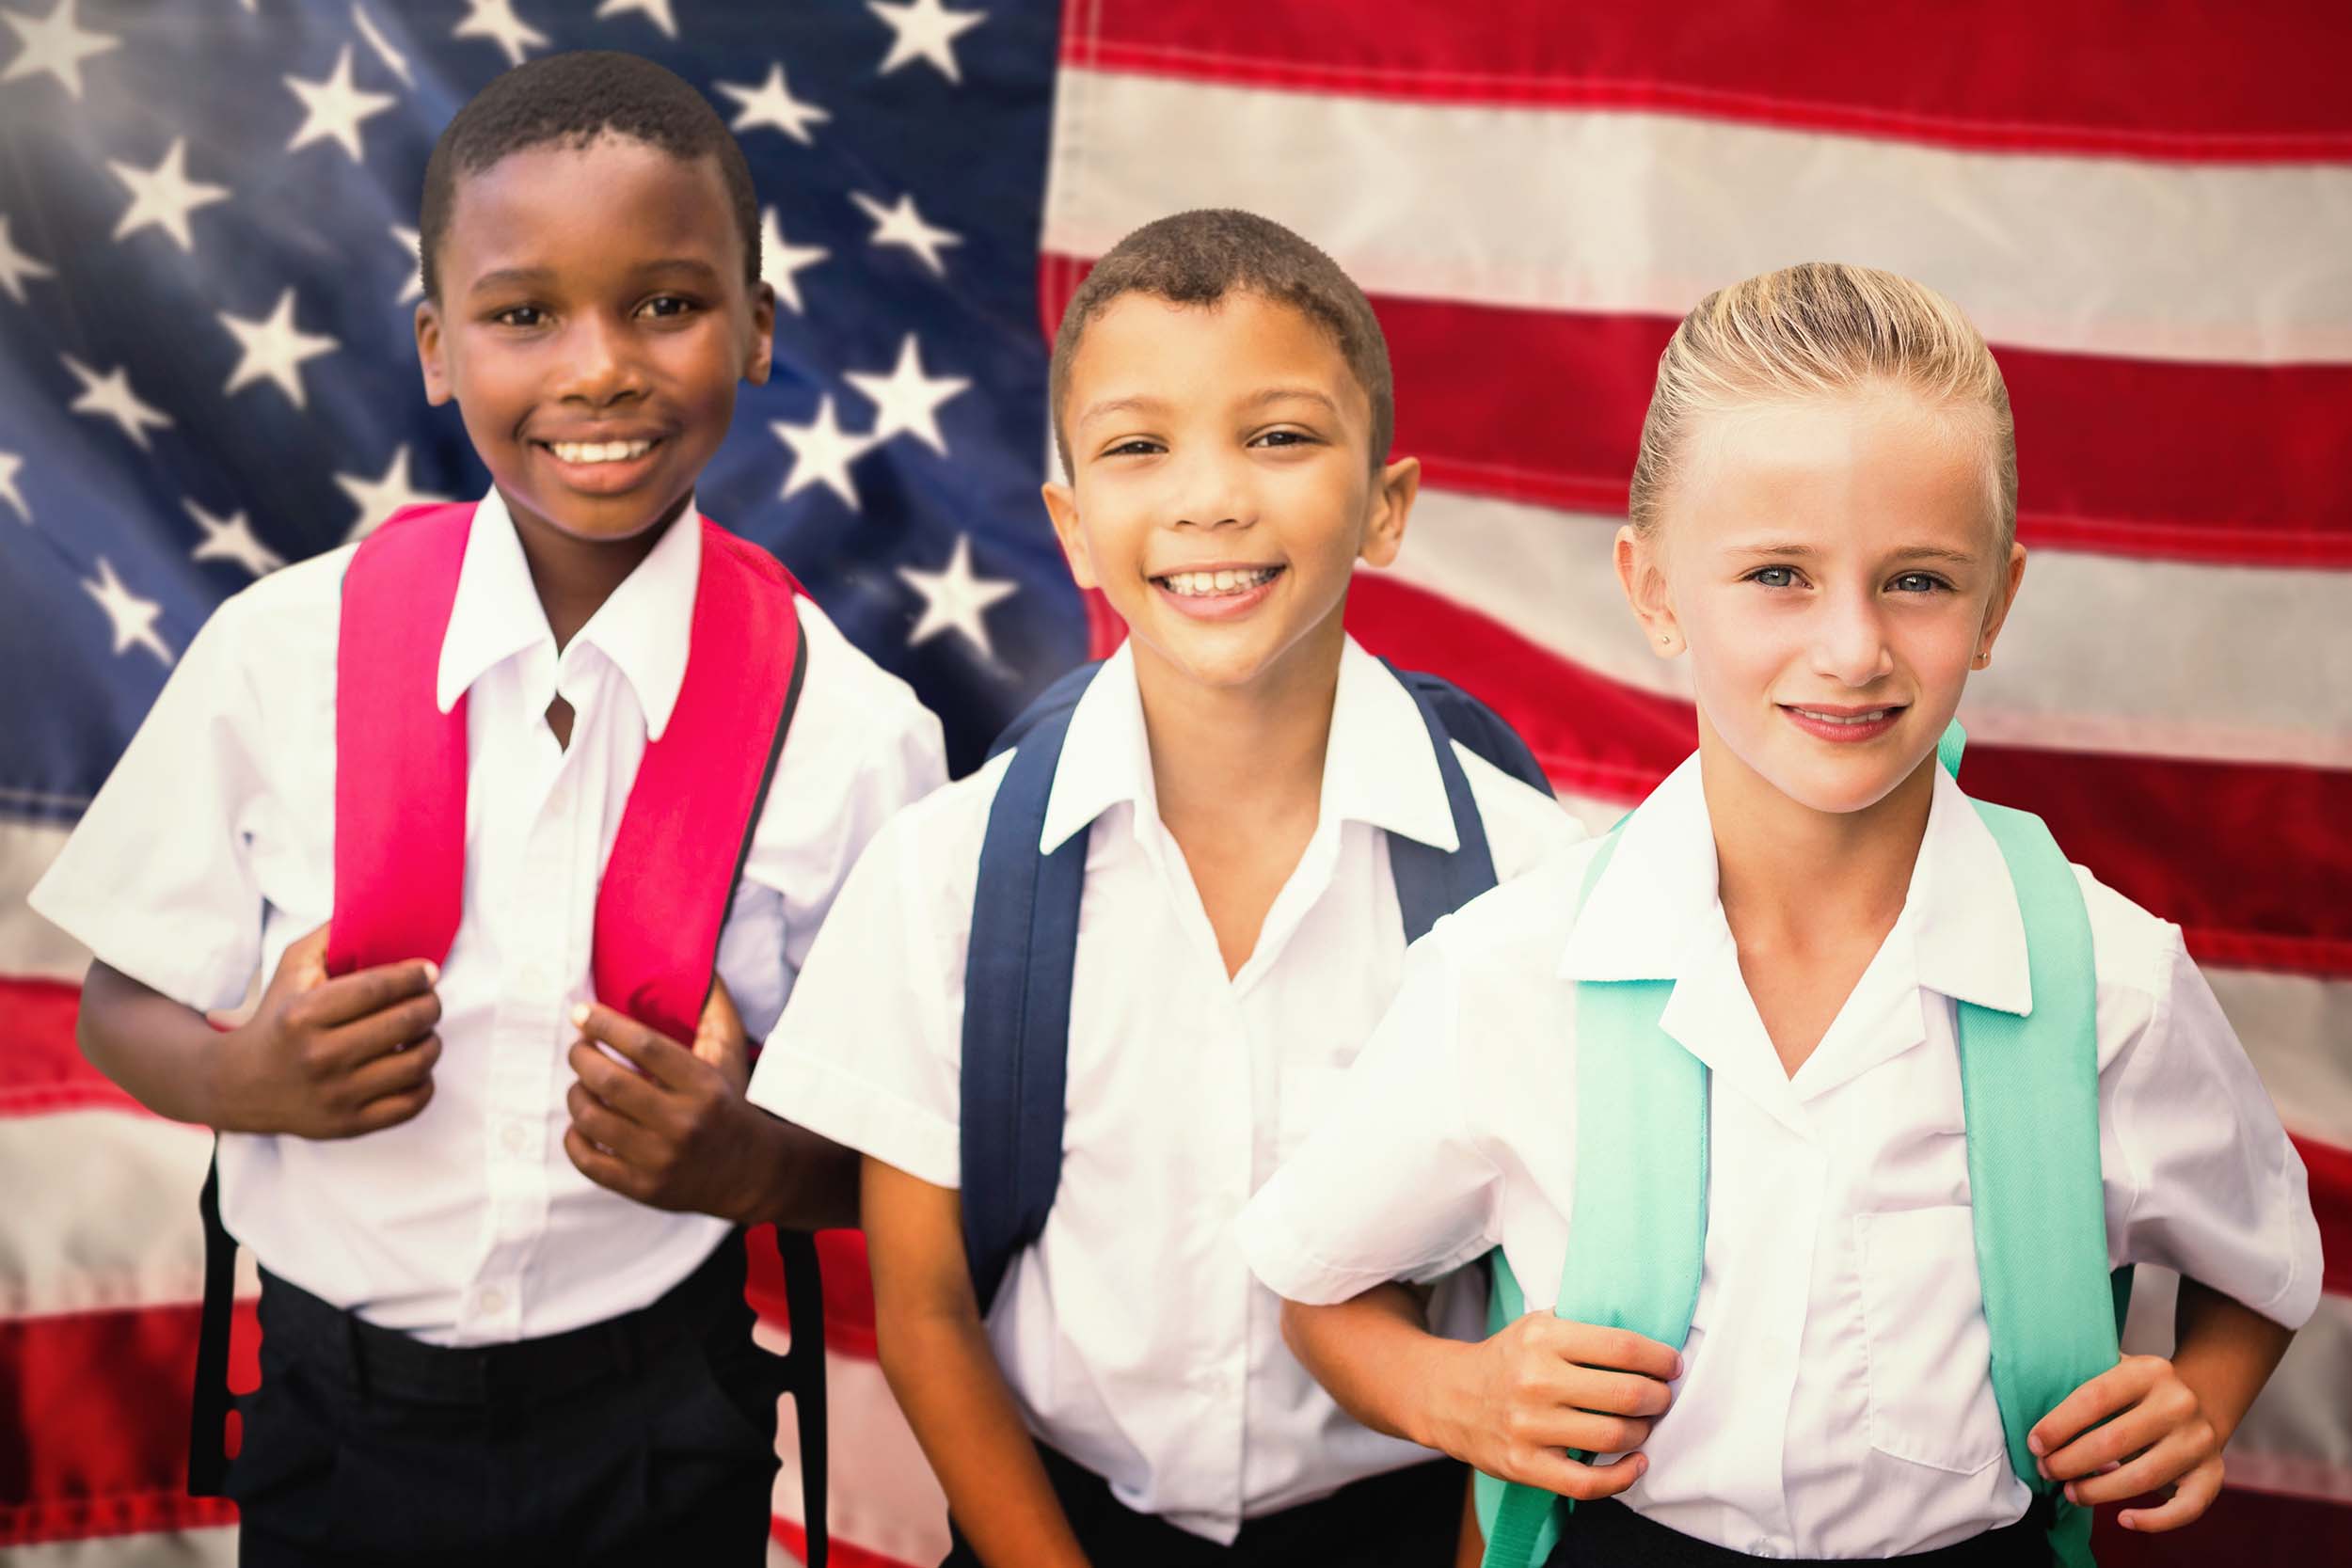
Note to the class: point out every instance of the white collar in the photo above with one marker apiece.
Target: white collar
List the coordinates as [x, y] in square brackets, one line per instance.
[643, 628]
[1657, 909]
[1378, 766]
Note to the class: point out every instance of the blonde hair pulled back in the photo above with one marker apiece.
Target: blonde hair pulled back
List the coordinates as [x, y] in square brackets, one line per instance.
[1822, 330]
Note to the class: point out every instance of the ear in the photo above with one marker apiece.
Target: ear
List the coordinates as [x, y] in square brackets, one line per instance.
[437, 389]
[1396, 488]
[1061, 504]
[1640, 574]
[761, 359]
[1997, 612]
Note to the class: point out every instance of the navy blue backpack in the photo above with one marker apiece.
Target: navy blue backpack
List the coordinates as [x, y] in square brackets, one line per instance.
[1024, 941]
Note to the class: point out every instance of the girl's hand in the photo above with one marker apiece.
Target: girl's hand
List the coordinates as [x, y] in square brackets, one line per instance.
[2160, 1437]
[1544, 1386]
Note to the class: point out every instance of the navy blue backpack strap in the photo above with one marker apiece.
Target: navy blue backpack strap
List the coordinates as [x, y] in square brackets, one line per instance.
[1431, 883]
[1018, 963]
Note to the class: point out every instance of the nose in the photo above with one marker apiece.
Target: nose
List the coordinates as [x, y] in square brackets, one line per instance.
[1849, 641]
[1209, 490]
[598, 365]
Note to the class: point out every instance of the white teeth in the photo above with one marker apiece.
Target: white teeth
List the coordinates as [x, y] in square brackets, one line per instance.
[1199, 585]
[600, 451]
[1870, 717]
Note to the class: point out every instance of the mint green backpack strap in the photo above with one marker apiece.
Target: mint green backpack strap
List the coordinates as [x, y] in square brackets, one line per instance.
[2030, 1088]
[1637, 1227]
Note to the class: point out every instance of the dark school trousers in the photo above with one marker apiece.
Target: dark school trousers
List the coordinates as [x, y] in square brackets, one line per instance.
[1409, 1517]
[1608, 1534]
[648, 1438]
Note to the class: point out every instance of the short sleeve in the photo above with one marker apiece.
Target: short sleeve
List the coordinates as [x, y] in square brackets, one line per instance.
[2201, 1177]
[859, 749]
[158, 879]
[1392, 1184]
[868, 1049]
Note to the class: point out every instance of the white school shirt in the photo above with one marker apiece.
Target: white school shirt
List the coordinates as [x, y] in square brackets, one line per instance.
[1835, 1400]
[211, 848]
[1132, 1334]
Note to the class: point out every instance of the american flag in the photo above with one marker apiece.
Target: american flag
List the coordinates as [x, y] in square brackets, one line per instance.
[207, 268]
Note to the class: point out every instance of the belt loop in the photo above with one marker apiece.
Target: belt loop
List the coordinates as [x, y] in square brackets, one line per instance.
[356, 1351]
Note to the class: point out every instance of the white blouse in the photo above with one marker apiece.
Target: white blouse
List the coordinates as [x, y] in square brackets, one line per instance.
[1835, 1400]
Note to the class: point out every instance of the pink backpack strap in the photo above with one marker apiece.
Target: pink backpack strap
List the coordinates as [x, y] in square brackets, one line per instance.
[687, 830]
[400, 762]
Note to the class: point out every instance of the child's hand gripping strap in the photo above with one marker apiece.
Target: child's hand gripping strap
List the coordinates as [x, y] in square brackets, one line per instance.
[1637, 1225]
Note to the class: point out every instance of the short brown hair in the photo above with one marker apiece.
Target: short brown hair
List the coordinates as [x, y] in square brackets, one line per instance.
[1197, 258]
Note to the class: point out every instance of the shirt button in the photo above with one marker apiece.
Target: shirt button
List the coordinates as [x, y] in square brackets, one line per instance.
[514, 1137]
[1767, 1548]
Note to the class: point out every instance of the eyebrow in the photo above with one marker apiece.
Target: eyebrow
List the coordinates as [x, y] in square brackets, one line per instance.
[512, 278]
[1790, 550]
[1138, 403]
[1286, 394]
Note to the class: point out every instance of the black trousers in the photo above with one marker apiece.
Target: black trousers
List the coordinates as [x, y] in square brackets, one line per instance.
[648, 1438]
[1608, 1534]
[1408, 1517]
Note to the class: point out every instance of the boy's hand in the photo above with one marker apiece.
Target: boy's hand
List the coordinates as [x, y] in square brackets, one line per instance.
[666, 1127]
[2160, 1437]
[324, 1058]
[1545, 1385]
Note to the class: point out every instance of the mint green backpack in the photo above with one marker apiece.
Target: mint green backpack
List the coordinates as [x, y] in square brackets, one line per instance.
[2029, 1087]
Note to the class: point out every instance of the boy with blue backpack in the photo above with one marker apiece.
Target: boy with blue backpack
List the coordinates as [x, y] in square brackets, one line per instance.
[1820, 1110]
[1076, 1007]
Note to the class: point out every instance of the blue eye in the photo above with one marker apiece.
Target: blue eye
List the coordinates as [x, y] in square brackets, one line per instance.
[1920, 582]
[1774, 577]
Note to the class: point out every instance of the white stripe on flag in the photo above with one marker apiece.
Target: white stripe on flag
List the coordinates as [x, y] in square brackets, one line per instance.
[1615, 211]
[2103, 653]
[883, 1493]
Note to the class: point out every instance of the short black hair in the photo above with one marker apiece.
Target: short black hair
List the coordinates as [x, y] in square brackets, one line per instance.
[1199, 257]
[570, 99]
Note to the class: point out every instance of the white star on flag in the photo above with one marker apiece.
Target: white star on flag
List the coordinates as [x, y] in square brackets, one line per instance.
[903, 225]
[274, 348]
[924, 30]
[394, 61]
[231, 538]
[379, 497]
[410, 238]
[771, 104]
[779, 260]
[656, 11]
[956, 599]
[163, 197]
[109, 397]
[131, 617]
[15, 266]
[821, 454]
[496, 20]
[334, 108]
[908, 400]
[9, 463]
[55, 45]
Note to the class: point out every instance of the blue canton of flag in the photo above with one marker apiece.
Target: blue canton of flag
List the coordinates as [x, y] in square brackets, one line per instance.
[208, 265]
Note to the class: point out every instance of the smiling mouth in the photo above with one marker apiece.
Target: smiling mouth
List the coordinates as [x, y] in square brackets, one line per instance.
[1857, 718]
[1228, 584]
[587, 454]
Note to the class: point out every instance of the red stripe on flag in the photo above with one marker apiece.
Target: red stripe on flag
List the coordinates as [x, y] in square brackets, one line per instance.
[843, 1554]
[849, 1289]
[2177, 836]
[2101, 77]
[42, 1069]
[2240, 1526]
[105, 1397]
[2224, 463]
[2331, 1171]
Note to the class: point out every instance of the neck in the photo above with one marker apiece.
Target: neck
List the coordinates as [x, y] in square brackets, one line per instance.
[575, 576]
[1252, 752]
[1797, 877]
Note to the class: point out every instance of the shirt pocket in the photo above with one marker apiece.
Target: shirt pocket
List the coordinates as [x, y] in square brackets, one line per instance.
[1309, 1095]
[1929, 1353]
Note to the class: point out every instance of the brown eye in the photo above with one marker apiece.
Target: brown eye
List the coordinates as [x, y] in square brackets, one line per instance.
[520, 315]
[667, 306]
